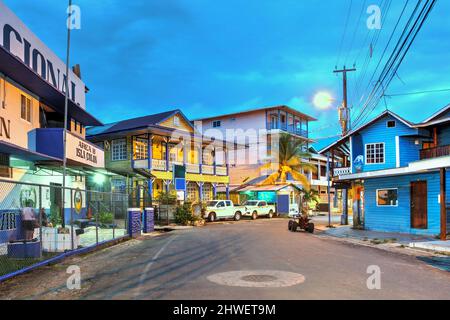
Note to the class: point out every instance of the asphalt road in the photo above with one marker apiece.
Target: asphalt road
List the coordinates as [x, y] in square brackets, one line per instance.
[177, 266]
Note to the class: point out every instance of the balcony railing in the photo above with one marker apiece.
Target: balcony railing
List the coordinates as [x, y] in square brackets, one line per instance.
[192, 168]
[288, 128]
[435, 152]
[342, 171]
[221, 171]
[207, 169]
[159, 165]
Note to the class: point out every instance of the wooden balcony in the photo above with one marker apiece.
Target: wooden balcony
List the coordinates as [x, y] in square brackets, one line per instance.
[437, 152]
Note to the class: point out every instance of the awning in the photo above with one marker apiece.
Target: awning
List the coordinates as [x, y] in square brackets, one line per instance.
[273, 188]
[24, 154]
[14, 69]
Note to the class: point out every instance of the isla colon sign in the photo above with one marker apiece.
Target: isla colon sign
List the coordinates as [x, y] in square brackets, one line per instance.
[84, 152]
[16, 38]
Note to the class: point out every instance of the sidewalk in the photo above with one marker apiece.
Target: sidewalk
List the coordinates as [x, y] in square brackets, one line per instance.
[439, 246]
[376, 237]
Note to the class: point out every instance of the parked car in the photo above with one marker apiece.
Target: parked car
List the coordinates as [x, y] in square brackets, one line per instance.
[257, 208]
[223, 209]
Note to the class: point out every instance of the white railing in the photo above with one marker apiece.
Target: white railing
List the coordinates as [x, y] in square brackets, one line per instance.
[159, 165]
[192, 168]
[141, 164]
[208, 169]
[221, 171]
[342, 171]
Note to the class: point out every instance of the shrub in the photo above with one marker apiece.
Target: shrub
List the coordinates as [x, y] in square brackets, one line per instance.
[106, 217]
[184, 215]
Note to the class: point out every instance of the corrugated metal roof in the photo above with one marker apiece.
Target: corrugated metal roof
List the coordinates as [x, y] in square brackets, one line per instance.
[131, 124]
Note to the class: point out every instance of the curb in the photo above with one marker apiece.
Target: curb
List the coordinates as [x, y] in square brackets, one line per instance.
[392, 247]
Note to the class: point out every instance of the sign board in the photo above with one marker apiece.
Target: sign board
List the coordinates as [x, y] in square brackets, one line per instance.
[16, 38]
[179, 176]
[84, 152]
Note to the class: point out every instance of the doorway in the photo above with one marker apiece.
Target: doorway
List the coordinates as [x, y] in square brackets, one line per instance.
[56, 207]
[419, 205]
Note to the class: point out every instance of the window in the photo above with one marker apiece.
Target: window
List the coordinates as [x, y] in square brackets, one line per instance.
[262, 204]
[387, 198]
[176, 121]
[140, 149]
[217, 124]
[25, 111]
[221, 204]
[207, 192]
[391, 124]
[192, 192]
[119, 150]
[323, 171]
[5, 169]
[374, 153]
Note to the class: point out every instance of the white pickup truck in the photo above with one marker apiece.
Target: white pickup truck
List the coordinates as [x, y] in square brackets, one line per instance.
[257, 208]
[222, 209]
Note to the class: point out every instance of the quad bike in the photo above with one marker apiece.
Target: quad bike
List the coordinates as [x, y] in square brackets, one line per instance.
[302, 222]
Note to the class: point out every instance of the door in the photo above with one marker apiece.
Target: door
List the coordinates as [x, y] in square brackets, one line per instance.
[283, 204]
[419, 205]
[221, 210]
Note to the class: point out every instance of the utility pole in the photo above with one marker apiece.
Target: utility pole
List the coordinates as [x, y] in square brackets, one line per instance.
[344, 115]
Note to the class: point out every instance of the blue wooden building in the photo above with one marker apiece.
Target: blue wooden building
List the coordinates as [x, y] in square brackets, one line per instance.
[397, 173]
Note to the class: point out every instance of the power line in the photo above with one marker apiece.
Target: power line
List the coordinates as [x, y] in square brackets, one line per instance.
[416, 93]
[396, 59]
[355, 30]
[345, 32]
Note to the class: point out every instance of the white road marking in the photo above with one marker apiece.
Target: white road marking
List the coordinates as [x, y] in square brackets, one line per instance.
[150, 264]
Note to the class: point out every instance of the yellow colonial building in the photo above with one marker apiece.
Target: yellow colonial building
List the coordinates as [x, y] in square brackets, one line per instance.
[143, 152]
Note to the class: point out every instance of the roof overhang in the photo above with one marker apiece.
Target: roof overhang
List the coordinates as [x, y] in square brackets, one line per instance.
[20, 73]
[413, 168]
[24, 154]
[287, 108]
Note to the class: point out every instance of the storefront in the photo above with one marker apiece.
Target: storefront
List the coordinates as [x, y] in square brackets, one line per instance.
[32, 105]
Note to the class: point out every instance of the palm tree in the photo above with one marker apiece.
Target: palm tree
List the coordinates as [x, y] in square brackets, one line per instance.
[289, 159]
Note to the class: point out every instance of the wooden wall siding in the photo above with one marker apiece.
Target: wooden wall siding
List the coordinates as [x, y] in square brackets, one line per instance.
[379, 132]
[184, 126]
[409, 151]
[123, 166]
[398, 219]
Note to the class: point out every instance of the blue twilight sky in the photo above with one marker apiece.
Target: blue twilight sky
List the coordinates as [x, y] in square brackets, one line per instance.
[211, 57]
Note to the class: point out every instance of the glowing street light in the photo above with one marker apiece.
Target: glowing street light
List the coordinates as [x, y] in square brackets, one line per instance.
[322, 100]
